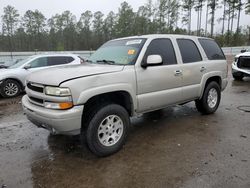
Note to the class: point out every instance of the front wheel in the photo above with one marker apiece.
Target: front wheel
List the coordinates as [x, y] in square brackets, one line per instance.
[210, 100]
[10, 88]
[107, 130]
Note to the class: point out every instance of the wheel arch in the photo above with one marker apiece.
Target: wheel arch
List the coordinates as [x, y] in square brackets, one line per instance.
[120, 97]
[209, 78]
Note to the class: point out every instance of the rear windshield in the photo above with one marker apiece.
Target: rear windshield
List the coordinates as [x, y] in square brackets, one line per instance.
[212, 49]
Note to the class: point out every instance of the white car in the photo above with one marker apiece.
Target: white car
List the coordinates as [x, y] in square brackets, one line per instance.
[241, 66]
[12, 79]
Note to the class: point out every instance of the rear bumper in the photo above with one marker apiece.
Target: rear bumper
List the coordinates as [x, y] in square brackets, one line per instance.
[67, 122]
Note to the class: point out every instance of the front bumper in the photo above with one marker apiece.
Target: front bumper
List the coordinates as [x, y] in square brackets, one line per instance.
[67, 122]
[236, 70]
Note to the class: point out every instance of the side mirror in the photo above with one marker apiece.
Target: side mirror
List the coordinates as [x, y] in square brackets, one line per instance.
[26, 67]
[152, 60]
[243, 51]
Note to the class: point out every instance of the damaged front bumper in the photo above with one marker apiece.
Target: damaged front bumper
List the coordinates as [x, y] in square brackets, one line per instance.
[237, 71]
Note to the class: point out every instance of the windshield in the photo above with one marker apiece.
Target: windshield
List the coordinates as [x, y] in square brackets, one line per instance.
[118, 52]
[20, 63]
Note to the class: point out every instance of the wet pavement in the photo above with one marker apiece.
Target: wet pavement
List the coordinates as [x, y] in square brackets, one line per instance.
[174, 147]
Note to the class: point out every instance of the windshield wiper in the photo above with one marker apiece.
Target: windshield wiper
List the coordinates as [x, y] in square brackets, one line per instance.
[106, 61]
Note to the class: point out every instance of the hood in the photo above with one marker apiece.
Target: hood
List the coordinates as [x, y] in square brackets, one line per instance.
[243, 54]
[56, 75]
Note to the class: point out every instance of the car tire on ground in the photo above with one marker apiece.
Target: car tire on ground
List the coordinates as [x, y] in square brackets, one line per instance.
[107, 129]
[10, 88]
[238, 77]
[210, 100]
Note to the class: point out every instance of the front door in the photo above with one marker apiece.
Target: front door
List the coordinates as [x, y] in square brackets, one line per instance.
[159, 86]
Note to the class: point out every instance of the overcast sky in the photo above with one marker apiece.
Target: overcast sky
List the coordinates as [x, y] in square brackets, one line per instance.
[51, 7]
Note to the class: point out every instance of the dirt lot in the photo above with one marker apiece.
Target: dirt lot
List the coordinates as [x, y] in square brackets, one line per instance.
[175, 147]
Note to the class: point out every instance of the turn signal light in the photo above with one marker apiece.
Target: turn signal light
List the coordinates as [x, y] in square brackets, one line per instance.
[65, 105]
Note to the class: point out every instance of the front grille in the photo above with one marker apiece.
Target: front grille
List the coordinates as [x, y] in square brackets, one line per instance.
[244, 62]
[35, 87]
[36, 100]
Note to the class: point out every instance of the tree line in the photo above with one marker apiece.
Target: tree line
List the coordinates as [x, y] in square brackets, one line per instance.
[33, 31]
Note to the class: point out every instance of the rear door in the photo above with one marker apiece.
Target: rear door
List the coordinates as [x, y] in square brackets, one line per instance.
[193, 68]
[160, 85]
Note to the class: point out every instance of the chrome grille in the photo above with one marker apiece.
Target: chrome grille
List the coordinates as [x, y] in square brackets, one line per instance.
[36, 100]
[35, 87]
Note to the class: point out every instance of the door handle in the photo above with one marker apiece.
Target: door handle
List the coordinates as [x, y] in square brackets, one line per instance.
[178, 73]
[203, 69]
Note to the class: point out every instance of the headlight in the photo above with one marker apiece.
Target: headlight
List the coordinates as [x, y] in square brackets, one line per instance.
[58, 106]
[57, 91]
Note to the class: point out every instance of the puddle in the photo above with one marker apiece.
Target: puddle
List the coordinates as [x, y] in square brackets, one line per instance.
[244, 108]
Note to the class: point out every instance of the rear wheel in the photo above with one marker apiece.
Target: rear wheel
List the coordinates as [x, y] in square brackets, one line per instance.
[10, 88]
[210, 100]
[107, 130]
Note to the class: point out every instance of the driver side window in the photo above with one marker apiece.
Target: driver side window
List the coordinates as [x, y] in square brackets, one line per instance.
[39, 62]
[164, 48]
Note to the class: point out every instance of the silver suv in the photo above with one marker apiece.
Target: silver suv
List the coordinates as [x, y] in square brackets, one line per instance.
[123, 78]
[12, 79]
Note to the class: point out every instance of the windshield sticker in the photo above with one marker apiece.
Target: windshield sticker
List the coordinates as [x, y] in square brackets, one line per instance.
[131, 52]
[133, 42]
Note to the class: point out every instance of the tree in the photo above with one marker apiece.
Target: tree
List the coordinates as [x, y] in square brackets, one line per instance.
[212, 5]
[68, 21]
[224, 16]
[109, 26]
[84, 26]
[161, 14]
[125, 22]
[141, 21]
[10, 21]
[187, 8]
[233, 4]
[239, 7]
[247, 7]
[198, 8]
[98, 29]
[172, 14]
[206, 23]
[34, 23]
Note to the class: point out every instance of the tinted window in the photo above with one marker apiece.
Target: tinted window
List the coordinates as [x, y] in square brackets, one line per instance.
[212, 50]
[59, 60]
[39, 62]
[189, 51]
[164, 48]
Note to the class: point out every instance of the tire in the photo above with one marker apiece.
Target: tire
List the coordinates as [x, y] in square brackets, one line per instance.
[238, 77]
[206, 105]
[10, 88]
[108, 123]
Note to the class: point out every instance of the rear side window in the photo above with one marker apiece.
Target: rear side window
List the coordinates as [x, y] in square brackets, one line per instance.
[189, 51]
[164, 48]
[59, 60]
[212, 50]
